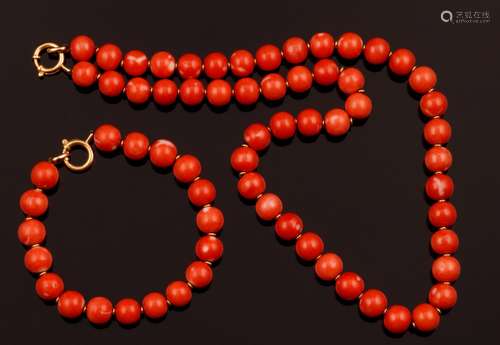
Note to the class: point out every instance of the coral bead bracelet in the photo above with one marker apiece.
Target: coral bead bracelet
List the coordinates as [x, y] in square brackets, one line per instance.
[162, 154]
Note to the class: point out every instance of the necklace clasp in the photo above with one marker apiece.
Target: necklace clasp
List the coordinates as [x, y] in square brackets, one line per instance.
[68, 146]
[49, 48]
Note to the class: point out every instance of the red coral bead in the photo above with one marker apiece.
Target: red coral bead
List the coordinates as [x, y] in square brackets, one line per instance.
[187, 168]
[189, 66]
[135, 63]
[282, 125]
[44, 175]
[442, 214]
[162, 64]
[397, 319]
[443, 296]
[246, 91]
[49, 286]
[349, 286]
[326, 72]
[351, 80]
[219, 93]
[242, 63]
[71, 304]
[38, 259]
[82, 48]
[295, 50]
[192, 92]
[299, 79]
[402, 62]
[337, 122]
[257, 136]
[358, 106]
[135, 146]
[111, 84]
[162, 153]
[99, 310]
[215, 65]
[33, 203]
[268, 57]
[438, 158]
[244, 159]
[251, 185]
[437, 131]
[349, 45]
[199, 274]
[273, 87]
[107, 138]
[210, 220]
[155, 305]
[138, 90]
[446, 269]
[288, 226]
[84, 74]
[209, 248]
[268, 206]
[322, 45]
[31, 232]
[377, 51]
[444, 241]
[179, 294]
[422, 79]
[309, 122]
[201, 192]
[328, 266]
[372, 303]
[108, 57]
[439, 187]
[128, 311]
[433, 104]
[309, 246]
[165, 92]
[425, 317]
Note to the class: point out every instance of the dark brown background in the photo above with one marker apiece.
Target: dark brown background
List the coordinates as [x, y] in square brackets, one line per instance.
[122, 231]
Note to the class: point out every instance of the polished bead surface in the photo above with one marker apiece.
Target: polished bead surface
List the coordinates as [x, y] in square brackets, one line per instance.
[351, 80]
[111, 84]
[257, 136]
[128, 311]
[99, 310]
[38, 259]
[84, 74]
[268, 207]
[273, 87]
[135, 63]
[199, 274]
[288, 226]
[155, 305]
[135, 146]
[219, 93]
[215, 65]
[44, 175]
[107, 138]
[422, 79]
[295, 50]
[187, 168]
[192, 92]
[70, 304]
[201, 192]
[189, 66]
[433, 104]
[337, 122]
[138, 90]
[209, 248]
[31, 232]
[242, 63]
[251, 185]
[349, 286]
[244, 159]
[268, 57]
[322, 45]
[49, 286]
[442, 214]
[109, 57]
[162, 153]
[82, 48]
[246, 91]
[443, 296]
[401, 62]
[299, 79]
[309, 246]
[444, 241]
[162, 64]
[165, 92]
[210, 220]
[377, 51]
[328, 266]
[437, 131]
[439, 187]
[349, 45]
[438, 158]
[282, 125]
[358, 106]
[326, 72]
[425, 317]
[397, 319]
[33, 203]
[446, 269]
[309, 122]
[179, 294]
[373, 303]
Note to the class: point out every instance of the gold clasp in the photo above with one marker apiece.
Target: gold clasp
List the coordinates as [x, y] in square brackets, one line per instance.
[68, 145]
[50, 48]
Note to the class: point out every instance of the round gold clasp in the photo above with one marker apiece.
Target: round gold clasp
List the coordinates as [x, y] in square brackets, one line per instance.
[68, 146]
[49, 48]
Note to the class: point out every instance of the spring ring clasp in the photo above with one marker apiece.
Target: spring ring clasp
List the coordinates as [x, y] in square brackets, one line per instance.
[68, 146]
[49, 48]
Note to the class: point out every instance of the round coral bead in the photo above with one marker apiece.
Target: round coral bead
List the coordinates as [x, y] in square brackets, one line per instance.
[70, 304]
[282, 125]
[337, 122]
[82, 48]
[402, 62]
[328, 266]
[326, 72]
[192, 92]
[246, 91]
[425, 317]
[84, 74]
[99, 310]
[446, 269]
[44, 175]
[31, 232]
[433, 104]
[165, 92]
[299, 79]
[309, 246]
[111, 84]
[199, 274]
[288, 226]
[138, 90]
[162, 64]
[322, 45]
[273, 87]
[201, 192]
[244, 159]
[155, 305]
[135, 146]
[439, 187]
[49, 286]
[128, 311]
[215, 65]
[444, 241]
[209, 248]
[162, 153]
[38, 259]
[351, 80]
[438, 158]
[219, 93]
[179, 294]
[295, 50]
[33, 203]
[309, 122]
[372, 303]
[242, 63]
[358, 106]
[251, 185]
[443, 296]
[268, 206]
[135, 63]
[397, 319]
[349, 286]
[349, 45]
[189, 66]
[257, 136]
[437, 131]
[268, 57]
[422, 79]
[442, 214]
[187, 168]
[377, 51]
[107, 138]
[108, 57]
[210, 220]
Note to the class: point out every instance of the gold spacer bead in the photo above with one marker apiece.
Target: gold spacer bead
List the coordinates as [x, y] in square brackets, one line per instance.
[244, 145]
[178, 156]
[209, 263]
[259, 196]
[207, 205]
[190, 285]
[196, 178]
[278, 216]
